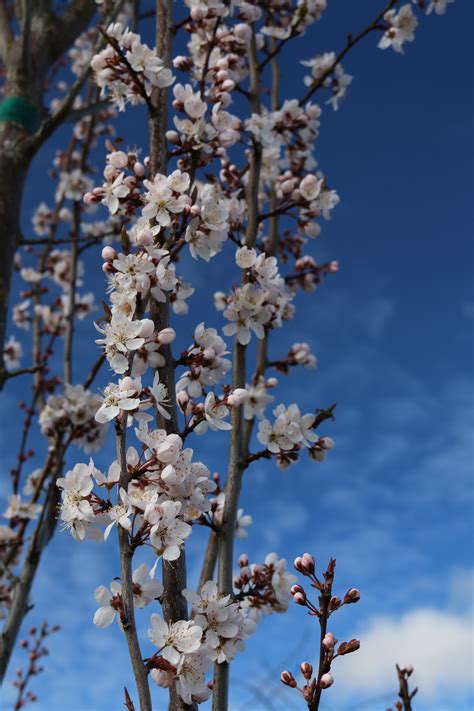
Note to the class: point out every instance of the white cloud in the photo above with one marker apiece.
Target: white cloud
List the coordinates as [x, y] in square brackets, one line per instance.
[437, 643]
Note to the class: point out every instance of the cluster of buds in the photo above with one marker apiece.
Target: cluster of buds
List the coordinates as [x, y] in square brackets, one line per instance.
[328, 603]
[36, 649]
[266, 587]
[299, 354]
[308, 274]
[124, 174]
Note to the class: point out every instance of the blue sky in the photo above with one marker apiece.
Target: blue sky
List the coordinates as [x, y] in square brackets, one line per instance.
[393, 335]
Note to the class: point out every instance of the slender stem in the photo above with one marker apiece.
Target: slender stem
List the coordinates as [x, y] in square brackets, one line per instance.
[209, 562]
[126, 554]
[351, 41]
[236, 468]
[69, 334]
[41, 537]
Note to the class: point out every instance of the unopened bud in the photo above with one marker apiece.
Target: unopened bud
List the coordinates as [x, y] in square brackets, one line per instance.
[352, 595]
[348, 647]
[288, 679]
[408, 669]
[108, 253]
[243, 560]
[308, 563]
[326, 681]
[328, 641]
[237, 397]
[166, 336]
[305, 564]
[182, 399]
[334, 603]
[300, 598]
[147, 328]
[163, 678]
[306, 670]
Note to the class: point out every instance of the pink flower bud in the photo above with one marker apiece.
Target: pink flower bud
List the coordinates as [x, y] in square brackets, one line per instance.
[145, 238]
[172, 136]
[222, 75]
[306, 670]
[147, 328]
[408, 669]
[288, 679]
[348, 647]
[237, 397]
[195, 211]
[352, 595]
[243, 560]
[163, 678]
[333, 266]
[108, 254]
[308, 563]
[326, 442]
[139, 169]
[300, 598]
[196, 13]
[228, 85]
[182, 399]
[166, 336]
[328, 641]
[243, 32]
[305, 564]
[88, 199]
[326, 681]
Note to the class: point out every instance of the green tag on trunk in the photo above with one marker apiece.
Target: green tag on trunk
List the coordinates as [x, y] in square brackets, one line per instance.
[14, 109]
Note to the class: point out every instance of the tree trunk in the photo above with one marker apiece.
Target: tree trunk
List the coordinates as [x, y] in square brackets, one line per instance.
[14, 166]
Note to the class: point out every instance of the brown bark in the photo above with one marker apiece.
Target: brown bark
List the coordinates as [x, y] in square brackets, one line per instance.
[13, 170]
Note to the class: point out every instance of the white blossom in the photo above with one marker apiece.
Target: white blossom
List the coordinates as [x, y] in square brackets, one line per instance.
[172, 640]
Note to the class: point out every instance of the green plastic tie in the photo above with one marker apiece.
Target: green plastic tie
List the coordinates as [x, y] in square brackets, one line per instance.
[16, 110]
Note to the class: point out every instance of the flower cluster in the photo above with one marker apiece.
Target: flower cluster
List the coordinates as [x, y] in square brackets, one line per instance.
[145, 590]
[74, 412]
[289, 433]
[166, 490]
[401, 28]
[127, 69]
[261, 303]
[205, 361]
[224, 623]
[120, 192]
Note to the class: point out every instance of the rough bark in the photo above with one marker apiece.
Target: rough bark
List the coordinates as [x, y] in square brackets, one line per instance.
[13, 170]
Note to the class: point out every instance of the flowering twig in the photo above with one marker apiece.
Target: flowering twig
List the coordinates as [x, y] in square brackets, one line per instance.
[351, 41]
[36, 649]
[327, 604]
